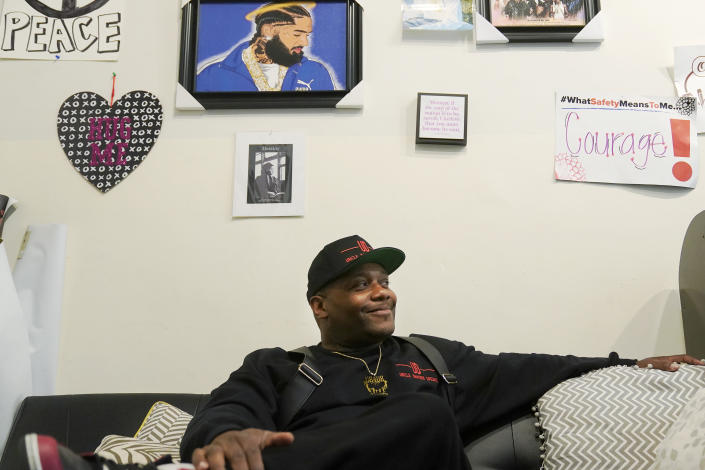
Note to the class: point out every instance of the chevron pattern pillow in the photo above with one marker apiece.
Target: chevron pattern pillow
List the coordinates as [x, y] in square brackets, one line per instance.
[164, 423]
[160, 434]
[126, 450]
[684, 446]
[613, 418]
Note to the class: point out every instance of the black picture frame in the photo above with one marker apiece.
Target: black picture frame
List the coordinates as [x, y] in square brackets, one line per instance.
[539, 33]
[269, 99]
[421, 139]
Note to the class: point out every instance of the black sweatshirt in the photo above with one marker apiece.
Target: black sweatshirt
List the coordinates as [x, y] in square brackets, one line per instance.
[489, 386]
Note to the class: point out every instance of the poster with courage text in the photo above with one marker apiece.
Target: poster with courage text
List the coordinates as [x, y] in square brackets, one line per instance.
[626, 139]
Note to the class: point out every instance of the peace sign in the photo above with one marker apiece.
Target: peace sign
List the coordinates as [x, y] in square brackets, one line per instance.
[68, 8]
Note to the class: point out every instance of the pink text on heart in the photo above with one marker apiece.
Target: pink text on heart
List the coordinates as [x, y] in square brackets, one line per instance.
[109, 129]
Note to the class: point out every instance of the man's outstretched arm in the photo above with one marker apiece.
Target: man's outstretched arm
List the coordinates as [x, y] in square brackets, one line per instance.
[669, 363]
[240, 416]
[242, 449]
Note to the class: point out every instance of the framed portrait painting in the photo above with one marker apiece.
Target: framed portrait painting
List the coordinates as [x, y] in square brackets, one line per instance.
[269, 174]
[538, 20]
[280, 54]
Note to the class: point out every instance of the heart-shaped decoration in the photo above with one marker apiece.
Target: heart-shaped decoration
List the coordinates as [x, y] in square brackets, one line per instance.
[106, 143]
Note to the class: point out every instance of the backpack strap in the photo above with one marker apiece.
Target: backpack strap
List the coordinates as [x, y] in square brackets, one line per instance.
[438, 363]
[433, 355]
[299, 388]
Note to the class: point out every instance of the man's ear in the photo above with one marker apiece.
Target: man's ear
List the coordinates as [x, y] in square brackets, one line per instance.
[318, 307]
[267, 31]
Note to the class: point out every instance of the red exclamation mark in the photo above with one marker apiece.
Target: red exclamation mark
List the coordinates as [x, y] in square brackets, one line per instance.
[680, 132]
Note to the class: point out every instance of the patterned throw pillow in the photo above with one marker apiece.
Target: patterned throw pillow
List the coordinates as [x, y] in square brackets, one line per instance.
[684, 445]
[613, 418]
[122, 449]
[160, 434]
[164, 423]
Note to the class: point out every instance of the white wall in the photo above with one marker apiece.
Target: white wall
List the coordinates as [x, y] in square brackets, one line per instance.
[166, 292]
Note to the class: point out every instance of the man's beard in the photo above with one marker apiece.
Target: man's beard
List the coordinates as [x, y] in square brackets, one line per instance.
[278, 52]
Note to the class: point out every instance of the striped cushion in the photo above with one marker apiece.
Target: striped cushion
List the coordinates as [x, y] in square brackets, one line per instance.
[613, 418]
[164, 423]
[160, 434]
[684, 445]
[122, 449]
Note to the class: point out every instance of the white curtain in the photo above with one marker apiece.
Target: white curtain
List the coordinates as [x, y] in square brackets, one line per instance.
[15, 364]
[30, 319]
[39, 280]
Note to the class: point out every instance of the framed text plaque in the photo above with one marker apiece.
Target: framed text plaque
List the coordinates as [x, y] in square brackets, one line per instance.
[442, 118]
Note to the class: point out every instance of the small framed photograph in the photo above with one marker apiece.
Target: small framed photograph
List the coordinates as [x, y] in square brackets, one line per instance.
[442, 118]
[269, 174]
[255, 54]
[538, 20]
[437, 15]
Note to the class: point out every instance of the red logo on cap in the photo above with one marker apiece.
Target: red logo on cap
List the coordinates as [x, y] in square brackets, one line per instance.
[363, 246]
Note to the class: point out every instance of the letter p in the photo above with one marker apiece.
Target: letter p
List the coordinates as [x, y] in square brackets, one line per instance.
[14, 21]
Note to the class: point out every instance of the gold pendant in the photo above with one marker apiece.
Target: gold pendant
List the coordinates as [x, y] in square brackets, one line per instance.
[376, 385]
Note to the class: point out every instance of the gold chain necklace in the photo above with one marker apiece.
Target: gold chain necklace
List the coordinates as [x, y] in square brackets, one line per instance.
[375, 384]
[248, 57]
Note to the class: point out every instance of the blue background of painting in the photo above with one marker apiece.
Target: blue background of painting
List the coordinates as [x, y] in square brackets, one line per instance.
[221, 25]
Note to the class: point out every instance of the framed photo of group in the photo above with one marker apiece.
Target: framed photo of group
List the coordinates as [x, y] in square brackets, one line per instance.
[270, 54]
[538, 20]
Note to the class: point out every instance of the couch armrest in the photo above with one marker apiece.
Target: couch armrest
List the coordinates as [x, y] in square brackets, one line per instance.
[512, 446]
[81, 421]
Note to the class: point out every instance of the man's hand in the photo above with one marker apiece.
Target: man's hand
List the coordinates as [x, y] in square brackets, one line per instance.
[242, 449]
[669, 363]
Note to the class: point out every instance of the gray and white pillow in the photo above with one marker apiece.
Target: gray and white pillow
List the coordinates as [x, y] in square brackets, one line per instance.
[613, 418]
[683, 448]
[164, 423]
[160, 434]
[127, 450]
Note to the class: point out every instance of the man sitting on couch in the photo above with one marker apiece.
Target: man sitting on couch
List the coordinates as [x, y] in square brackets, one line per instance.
[378, 400]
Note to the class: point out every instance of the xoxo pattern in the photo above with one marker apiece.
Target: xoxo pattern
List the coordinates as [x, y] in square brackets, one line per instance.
[106, 143]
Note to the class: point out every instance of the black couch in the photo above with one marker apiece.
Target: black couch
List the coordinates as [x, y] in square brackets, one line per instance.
[81, 421]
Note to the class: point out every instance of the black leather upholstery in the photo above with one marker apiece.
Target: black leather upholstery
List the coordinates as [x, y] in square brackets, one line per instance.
[512, 446]
[81, 421]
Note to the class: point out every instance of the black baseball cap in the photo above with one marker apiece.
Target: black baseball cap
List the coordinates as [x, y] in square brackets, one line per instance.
[340, 256]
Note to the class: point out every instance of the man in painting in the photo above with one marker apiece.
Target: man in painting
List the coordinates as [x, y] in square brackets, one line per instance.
[273, 59]
[543, 8]
[558, 10]
[267, 186]
[531, 7]
[513, 9]
[573, 7]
